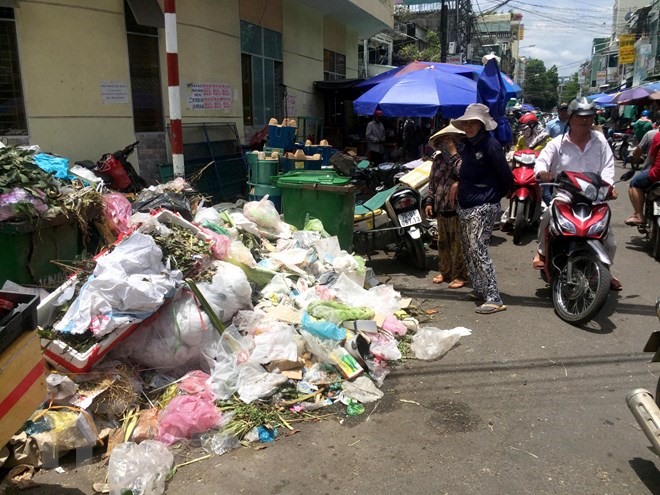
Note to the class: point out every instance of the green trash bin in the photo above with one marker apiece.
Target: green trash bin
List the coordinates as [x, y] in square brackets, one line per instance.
[319, 194]
[27, 249]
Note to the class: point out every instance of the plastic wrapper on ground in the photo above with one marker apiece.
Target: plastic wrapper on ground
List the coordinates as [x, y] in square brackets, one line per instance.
[186, 415]
[432, 343]
[228, 292]
[139, 469]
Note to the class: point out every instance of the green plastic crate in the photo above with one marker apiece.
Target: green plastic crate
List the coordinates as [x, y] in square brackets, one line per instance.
[323, 195]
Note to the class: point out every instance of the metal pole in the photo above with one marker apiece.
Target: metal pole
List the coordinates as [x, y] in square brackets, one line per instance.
[173, 89]
[443, 31]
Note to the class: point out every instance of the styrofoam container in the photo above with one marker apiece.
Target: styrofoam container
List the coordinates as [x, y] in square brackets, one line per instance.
[64, 356]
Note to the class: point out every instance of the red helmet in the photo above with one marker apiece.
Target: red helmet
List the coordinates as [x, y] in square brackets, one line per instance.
[528, 119]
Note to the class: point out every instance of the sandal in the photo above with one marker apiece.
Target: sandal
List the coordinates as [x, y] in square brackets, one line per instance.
[538, 262]
[457, 283]
[633, 222]
[490, 308]
[438, 279]
[615, 284]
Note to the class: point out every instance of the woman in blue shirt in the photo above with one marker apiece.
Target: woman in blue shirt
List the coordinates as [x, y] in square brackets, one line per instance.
[485, 178]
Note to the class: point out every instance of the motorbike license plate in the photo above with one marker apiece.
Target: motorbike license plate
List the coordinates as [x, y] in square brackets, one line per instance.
[409, 218]
[656, 207]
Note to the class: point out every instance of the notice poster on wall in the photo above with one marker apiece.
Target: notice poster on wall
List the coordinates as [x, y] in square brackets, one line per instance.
[291, 105]
[114, 92]
[209, 96]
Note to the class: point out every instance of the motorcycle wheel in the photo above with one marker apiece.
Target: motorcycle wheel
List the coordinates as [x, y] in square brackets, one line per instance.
[578, 300]
[616, 151]
[519, 222]
[415, 249]
[655, 241]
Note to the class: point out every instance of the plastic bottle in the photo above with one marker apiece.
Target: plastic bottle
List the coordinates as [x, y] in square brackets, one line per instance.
[354, 408]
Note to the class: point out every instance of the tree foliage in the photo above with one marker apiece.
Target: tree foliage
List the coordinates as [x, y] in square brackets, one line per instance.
[431, 53]
[540, 85]
[570, 89]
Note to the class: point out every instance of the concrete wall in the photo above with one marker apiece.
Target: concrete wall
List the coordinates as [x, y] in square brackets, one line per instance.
[65, 52]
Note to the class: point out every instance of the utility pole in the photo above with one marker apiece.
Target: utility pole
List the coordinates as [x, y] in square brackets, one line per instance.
[443, 31]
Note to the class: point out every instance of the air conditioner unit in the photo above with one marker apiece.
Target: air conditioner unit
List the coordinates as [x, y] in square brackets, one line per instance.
[451, 48]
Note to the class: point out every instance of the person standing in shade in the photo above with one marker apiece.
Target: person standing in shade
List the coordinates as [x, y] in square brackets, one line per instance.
[442, 205]
[376, 139]
[484, 179]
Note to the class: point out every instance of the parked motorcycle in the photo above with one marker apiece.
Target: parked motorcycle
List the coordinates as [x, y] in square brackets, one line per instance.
[116, 170]
[525, 202]
[640, 401]
[402, 230]
[576, 261]
[651, 227]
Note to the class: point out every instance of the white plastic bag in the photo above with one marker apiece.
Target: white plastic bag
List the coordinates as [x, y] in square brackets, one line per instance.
[228, 292]
[383, 299]
[128, 285]
[276, 344]
[255, 383]
[263, 213]
[139, 469]
[362, 390]
[432, 343]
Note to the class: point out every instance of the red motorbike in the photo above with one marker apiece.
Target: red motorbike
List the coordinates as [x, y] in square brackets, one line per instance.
[525, 202]
[576, 260]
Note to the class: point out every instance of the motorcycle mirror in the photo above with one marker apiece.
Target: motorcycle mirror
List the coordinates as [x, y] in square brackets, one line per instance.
[627, 176]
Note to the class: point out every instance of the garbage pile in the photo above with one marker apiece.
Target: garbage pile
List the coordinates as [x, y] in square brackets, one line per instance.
[223, 328]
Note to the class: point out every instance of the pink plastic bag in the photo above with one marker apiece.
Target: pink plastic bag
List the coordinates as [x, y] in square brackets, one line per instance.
[118, 211]
[186, 415]
[220, 244]
[195, 383]
[394, 326]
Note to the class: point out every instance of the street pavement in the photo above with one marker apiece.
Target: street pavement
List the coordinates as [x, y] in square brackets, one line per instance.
[525, 405]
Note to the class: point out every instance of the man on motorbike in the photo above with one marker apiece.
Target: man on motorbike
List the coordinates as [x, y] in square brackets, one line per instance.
[642, 181]
[580, 149]
[557, 126]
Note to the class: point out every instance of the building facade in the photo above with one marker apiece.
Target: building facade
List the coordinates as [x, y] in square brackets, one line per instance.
[83, 78]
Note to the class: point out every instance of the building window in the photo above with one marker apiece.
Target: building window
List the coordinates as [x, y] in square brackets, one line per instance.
[261, 66]
[334, 66]
[12, 105]
[144, 65]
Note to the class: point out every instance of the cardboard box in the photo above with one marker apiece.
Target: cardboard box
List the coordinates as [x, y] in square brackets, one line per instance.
[23, 384]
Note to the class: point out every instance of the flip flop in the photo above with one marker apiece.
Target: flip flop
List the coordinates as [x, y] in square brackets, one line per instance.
[633, 222]
[456, 284]
[490, 308]
[615, 284]
[438, 279]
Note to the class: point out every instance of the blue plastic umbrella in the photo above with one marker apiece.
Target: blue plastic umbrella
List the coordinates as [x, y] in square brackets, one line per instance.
[608, 99]
[421, 93]
[412, 67]
[512, 89]
[491, 91]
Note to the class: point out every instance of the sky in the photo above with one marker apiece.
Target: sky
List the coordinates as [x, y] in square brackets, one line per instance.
[558, 32]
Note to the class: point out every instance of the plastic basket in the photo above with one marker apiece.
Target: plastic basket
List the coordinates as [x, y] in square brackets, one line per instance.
[281, 137]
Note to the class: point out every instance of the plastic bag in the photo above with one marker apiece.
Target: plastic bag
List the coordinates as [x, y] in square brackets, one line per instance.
[238, 252]
[196, 383]
[10, 201]
[263, 213]
[385, 347]
[62, 430]
[315, 225]
[362, 390]
[118, 212]
[322, 329]
[337, 312]
[57, 165]
[383, 299]
[228, 292]
[139, 469]
[186, 415]
[220, 244]
[128, 285]
[274, 345]
[256, 383]
[147, 426]
[149, 201]
[173, 339]
[432, 343]
[394, 326]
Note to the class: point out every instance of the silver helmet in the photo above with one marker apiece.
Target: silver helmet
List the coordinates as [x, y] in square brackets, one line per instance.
[581, 106]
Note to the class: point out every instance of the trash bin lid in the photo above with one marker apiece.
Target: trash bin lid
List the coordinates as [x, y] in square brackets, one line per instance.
[326, 177]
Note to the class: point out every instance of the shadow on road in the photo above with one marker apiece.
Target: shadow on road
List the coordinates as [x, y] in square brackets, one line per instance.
[648, 473]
